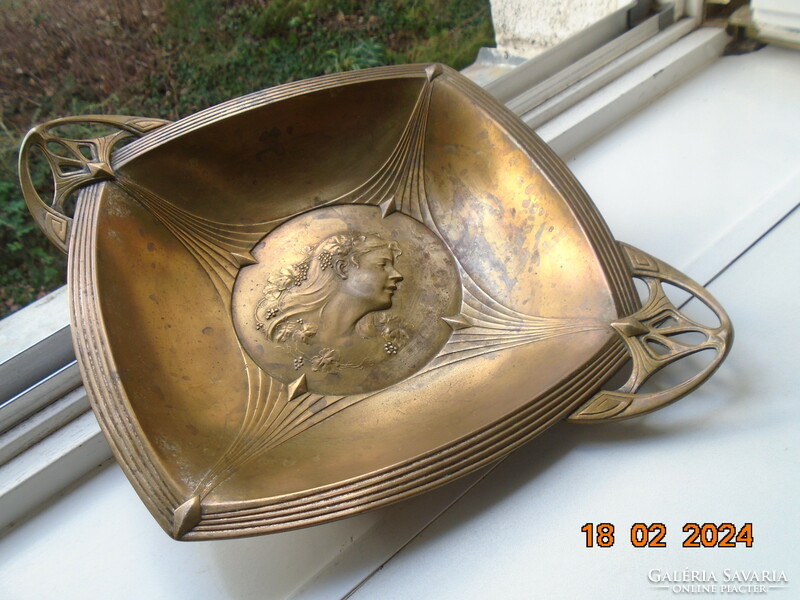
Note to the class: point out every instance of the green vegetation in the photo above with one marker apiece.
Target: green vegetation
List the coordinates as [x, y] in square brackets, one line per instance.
[170, 58]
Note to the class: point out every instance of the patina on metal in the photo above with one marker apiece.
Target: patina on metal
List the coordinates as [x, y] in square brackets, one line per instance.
[335, 294]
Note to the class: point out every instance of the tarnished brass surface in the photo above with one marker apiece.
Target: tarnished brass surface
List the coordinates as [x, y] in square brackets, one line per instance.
[334, 294]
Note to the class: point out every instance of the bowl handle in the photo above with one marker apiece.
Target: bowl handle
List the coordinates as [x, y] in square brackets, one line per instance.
[651, 335]
[74, 163]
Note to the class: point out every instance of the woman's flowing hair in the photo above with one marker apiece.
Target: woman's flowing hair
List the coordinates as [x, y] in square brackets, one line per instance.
[309, 285]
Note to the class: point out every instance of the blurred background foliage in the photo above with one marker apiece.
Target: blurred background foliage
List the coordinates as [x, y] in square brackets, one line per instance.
[171, 58]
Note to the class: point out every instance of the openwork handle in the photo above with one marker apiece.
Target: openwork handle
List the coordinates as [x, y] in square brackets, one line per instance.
[652, 339]
[74, 163]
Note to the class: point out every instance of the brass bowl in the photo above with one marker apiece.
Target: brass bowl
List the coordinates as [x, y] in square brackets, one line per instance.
[334, 294]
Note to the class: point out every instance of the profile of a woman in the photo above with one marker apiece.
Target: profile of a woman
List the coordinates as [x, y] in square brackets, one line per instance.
[325, 309]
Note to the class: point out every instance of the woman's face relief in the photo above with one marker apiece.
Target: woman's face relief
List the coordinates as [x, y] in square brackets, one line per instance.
[347, 299]
[374, 279]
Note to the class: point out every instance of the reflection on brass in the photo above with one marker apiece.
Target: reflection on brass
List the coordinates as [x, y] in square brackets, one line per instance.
[331, 295]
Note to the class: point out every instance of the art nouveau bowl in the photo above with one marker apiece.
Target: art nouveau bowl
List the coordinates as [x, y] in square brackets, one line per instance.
[334, 294]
